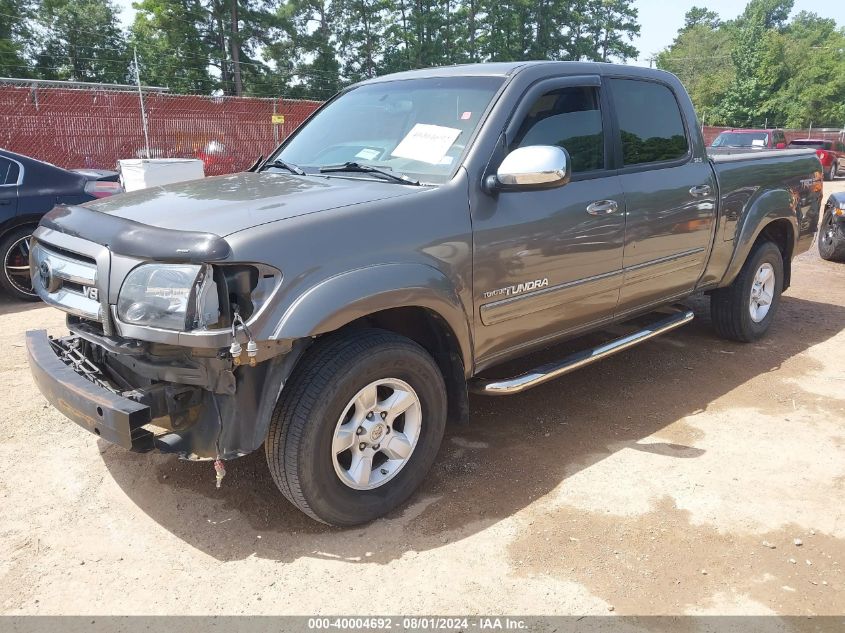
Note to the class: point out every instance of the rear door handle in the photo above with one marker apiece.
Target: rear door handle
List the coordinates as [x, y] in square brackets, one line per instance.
[701, 191]
[603, 207]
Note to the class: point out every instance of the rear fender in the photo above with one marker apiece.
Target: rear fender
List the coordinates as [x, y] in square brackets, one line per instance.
[349, 296]
[769, 207]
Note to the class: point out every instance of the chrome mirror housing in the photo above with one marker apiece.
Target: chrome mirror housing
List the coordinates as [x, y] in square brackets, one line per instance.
[534, 167]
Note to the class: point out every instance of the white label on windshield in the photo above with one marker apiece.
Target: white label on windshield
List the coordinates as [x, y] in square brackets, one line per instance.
[426, 143]
[368, 154]
[758, 142]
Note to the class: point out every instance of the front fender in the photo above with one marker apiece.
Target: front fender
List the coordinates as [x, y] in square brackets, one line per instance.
[837, 201]
[773, 205]
[341, 299]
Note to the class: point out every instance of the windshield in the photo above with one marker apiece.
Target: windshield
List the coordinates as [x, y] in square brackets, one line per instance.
[418, 127]
[741, 139]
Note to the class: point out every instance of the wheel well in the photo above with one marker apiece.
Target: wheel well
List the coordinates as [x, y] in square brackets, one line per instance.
[432, 333]
[781, 234]
[14, 227]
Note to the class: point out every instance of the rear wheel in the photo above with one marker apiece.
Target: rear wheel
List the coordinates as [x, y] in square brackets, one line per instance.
[831, 238]
[744, 310]
[830, 174]
[357, 427]
[15, 279]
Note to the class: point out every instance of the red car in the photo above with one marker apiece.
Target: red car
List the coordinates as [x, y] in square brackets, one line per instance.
[750, 139]
[830, 153]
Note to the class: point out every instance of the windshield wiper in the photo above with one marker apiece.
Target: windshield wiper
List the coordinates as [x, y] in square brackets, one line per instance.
[367, 169]
[294, 169]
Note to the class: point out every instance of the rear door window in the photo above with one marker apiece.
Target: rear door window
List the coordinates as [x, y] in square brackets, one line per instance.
[650, 122]
[8, 172]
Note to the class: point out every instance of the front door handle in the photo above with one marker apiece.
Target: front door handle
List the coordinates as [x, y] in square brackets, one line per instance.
[603, 207]
[700, 191]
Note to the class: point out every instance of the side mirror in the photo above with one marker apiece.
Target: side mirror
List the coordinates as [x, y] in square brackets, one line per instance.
[780, 146]
[532, 167]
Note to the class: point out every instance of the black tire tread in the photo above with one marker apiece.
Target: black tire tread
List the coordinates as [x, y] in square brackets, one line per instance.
[837, 254]
[5, 242]
[317, 369]
[726, 304]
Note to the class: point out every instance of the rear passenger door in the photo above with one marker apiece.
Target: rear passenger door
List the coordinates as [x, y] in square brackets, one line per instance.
[670, 195]
[9, 175]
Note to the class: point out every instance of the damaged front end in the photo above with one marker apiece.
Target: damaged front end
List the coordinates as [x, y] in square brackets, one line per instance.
[155, 358]
[147, 397]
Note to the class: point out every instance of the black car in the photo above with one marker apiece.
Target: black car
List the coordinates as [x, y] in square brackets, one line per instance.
[29, 188]
[832, 231]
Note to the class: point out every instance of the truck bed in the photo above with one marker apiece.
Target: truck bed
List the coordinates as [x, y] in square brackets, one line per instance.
[729, 155]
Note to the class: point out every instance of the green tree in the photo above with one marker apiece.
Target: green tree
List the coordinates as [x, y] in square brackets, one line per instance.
[700, 16]
[762, 67]
[83, 42]
[173, 45]
[360, 27]
[14, 34]
[768, 14]
[701, 57]
[614, 25]
[813, 93]
[306, 55]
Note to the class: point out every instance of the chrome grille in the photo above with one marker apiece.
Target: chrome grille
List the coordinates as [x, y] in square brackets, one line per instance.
[68, 281]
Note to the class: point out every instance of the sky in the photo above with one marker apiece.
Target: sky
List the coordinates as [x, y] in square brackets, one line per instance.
[660, 19]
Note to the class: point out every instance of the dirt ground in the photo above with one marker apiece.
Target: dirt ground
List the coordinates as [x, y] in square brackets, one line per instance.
[687, 476]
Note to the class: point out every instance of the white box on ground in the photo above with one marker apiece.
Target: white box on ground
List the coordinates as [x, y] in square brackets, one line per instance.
[140, 173]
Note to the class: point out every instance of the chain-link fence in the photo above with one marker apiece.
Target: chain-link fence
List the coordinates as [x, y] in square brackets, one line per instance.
[826, 134]
[92, 125]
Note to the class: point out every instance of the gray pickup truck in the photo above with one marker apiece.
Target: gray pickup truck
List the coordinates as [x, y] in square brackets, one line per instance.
[337, 302]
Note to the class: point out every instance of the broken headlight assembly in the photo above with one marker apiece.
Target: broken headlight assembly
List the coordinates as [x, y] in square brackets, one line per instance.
[189, 297]
[180, 297]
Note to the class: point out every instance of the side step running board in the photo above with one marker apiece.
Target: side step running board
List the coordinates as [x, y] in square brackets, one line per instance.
[550, 371]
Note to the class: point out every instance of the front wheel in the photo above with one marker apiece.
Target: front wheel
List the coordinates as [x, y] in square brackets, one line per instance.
[14, 278]
[832, 238]
[357, 427]
[744, 310]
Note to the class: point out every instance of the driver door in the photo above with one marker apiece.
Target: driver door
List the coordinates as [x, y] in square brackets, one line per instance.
[549, 262]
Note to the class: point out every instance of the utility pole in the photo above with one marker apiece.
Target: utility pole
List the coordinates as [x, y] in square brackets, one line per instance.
[141, 99]
[235, 43]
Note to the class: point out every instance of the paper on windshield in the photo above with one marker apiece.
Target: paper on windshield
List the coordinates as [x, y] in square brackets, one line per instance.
[368, 153]
[426, 143]
[758, 142]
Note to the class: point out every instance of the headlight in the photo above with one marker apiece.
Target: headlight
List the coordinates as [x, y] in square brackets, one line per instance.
[169, 296]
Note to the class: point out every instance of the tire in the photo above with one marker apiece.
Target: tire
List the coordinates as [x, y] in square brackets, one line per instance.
[830, 174]
[300, 446]
[14, 253]
[831, 238]
[731, 307]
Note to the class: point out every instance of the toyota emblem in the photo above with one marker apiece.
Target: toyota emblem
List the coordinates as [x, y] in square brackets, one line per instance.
[45, 273]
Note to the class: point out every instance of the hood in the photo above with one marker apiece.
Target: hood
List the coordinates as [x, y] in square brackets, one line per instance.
[223, 205]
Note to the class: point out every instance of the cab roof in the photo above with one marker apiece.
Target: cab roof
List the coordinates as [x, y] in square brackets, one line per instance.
[508, 69]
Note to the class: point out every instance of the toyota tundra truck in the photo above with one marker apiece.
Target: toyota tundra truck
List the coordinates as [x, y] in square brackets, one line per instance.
[336, 303]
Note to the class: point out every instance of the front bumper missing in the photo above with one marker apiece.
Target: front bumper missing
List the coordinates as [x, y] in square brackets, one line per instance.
[87, 401]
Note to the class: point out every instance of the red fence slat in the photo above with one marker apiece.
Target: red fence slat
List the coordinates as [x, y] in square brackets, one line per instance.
[82, 127]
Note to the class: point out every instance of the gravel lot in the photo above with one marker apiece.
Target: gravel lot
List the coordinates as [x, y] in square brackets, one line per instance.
[676, 478]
